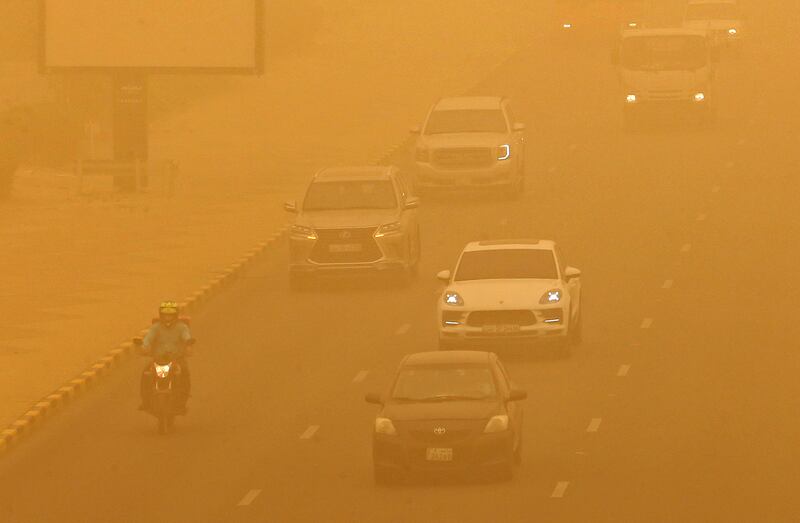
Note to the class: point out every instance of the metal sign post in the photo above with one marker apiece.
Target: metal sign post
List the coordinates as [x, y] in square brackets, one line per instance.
[130, 123]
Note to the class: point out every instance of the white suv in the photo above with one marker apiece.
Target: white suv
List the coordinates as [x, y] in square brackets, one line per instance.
[471, 142]
[510, 290]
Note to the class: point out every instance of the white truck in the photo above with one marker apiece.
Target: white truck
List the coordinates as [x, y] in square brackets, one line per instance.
[666, 71]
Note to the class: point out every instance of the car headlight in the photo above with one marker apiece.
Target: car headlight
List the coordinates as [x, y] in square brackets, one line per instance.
[387, 229]
[497, 423]
[453, 298]
[305, 232]
[422, 154]
[551, 296]
[631, 99]
[503, 152]
[699, 97]
[385, 426]
[733, 31]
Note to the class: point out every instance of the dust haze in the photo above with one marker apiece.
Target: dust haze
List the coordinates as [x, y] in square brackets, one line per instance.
[351, 260]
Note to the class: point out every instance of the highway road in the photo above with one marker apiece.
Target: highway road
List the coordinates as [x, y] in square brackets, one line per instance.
[679, 405]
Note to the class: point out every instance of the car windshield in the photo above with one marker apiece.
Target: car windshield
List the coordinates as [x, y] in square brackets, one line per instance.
[711, 12]
[444, 383]
[664, 53]
[466, 121]
[504, 264]
[339, 195]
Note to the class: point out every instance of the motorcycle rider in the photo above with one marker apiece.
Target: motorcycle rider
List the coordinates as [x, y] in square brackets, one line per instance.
[168, 338]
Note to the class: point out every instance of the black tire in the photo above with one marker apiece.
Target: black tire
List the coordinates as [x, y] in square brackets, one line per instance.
[576, 332]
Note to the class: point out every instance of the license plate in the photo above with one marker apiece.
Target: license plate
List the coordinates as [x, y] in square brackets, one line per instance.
[344, 247]
[433, 454]
[500, 329]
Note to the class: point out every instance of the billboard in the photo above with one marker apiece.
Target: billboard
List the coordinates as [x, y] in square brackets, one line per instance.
[154, 35]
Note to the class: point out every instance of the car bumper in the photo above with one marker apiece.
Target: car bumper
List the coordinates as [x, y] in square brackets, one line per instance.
[455, 328]
[499, 174]
[400, 454]
[389, 253]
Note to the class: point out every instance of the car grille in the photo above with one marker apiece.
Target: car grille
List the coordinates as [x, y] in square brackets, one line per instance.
[349, 245]
[463, 157]
[665, 94]
[429, 437]
[481, 318]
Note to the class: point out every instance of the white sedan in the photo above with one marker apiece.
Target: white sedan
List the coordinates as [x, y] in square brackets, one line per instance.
[510, 290]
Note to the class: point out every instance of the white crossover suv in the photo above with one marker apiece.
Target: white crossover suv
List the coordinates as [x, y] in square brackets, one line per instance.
[510, 290]
[471, 142]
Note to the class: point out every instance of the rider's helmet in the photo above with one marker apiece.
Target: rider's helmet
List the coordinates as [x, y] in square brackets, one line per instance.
[168, 312]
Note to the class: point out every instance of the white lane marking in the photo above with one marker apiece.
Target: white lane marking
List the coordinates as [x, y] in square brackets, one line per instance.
[715, 189]
[360, 376]
[561, 488]
[403, 329]
[623, 370]
[249, 497]
[594, 425]
[581, 453]
[667, 284]
[310, 431]
[701, 217]
[686, 247]
[647, 323]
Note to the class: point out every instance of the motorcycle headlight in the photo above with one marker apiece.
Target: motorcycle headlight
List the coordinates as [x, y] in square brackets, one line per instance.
[551, 296]
[631, 99]
[162, 371]
[503, 152]
[387, 229]
[497, 423]
[733, 31]
[304, 232]
[453, 298]
[422, 154]
[385, 426]
[699, 97]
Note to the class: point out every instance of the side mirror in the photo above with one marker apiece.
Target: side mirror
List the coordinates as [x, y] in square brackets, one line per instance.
[444, 276]
[374, 398]
[415, 129]
[571, 272]
[519, 127]
[412, 203]
[517, 395]
[290, 206]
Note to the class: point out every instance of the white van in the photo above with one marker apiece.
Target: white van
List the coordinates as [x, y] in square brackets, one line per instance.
[668, 71]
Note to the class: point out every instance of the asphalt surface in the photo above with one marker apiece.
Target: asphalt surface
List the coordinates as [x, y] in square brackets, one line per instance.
[685, 239]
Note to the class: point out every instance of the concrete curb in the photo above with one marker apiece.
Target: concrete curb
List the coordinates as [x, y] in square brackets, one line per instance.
[62, 396]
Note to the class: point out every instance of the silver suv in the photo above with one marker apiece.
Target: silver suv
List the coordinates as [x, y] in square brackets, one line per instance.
[471, 142]
[354, 219]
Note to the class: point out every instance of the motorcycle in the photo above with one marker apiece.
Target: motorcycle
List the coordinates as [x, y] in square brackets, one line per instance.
[163, 376]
